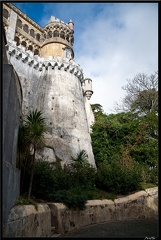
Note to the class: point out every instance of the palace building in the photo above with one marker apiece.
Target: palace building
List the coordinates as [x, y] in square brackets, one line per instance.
[51, 81]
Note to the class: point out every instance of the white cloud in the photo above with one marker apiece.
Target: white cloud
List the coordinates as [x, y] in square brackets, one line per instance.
[113, 42]
[115, 48]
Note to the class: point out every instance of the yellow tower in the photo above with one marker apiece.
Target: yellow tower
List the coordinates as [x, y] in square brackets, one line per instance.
[57, 39]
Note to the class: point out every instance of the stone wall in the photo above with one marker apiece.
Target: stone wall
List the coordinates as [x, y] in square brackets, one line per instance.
[27, 221]
[11, 111]
[140, 205]
[54, 86]
[55, 218]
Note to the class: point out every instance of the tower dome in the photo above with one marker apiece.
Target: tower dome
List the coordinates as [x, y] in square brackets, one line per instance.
[57, 39]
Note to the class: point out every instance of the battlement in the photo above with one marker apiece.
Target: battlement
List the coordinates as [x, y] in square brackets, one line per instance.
[40, 63]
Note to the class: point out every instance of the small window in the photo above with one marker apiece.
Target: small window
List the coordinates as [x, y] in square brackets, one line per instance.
[36, 52]
[5, 13]
[26, 28]
[67, 38]
[62, 35]
[30, 48]
[19, 23]
[56, 33]
[49, 34]
[38, 37]
[72, 41]
[17, 40]
[67, 53]
[32, 33]
[23, 43]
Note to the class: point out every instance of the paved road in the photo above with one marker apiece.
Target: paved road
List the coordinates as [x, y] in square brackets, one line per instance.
[145, 228]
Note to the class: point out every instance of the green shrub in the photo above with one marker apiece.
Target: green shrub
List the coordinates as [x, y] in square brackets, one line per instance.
[96, 193]
[83, 176]
[73, 198]
[49, 178]
[117, 178]
[24, 200]
[43, 179]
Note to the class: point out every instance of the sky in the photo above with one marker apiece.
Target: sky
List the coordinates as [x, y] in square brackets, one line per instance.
[113, 42]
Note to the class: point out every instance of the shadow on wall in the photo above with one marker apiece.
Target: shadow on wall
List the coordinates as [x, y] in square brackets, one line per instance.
[12, 99]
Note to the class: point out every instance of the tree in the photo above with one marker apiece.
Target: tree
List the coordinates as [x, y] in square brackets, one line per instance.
[146, 101]
[33, 129]
[81, 172]
[96, 108]
[128, 139]
[97, 111]
[142, 94]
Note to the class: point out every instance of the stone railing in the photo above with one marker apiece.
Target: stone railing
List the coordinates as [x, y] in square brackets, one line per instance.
[55, 218]
[39, 63]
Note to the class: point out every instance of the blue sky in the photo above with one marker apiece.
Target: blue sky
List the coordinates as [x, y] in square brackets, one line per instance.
[112, 41]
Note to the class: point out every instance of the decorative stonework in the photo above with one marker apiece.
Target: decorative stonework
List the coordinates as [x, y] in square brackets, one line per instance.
[39, 63]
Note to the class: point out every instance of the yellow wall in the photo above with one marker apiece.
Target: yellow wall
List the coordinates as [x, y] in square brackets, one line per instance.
[52, 49]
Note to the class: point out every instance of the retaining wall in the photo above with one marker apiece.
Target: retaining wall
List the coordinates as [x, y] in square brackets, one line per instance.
[56, 218]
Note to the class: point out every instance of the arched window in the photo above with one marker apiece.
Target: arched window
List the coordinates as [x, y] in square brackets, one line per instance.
[67, 38]
[67, 53]
[38, 37]
[26, 28]
[32, 33]
[23, 43]
[17, 40]
[49, 34]
[56, 33]
[5, 13]
[72, 40]
[30, 48]
[62, 35]
[19, 23]
[36, 52]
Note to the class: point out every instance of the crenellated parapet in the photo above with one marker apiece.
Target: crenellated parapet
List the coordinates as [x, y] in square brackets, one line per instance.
[39, 63]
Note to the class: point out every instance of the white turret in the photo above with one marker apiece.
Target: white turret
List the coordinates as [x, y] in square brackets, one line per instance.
[87, 87]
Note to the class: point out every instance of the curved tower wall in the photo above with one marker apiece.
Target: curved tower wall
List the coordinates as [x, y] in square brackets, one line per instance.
[53, 84]
[54, 87]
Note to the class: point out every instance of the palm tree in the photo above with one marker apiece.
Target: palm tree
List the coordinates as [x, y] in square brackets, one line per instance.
[81, 158]
[80, 162]
[36, 127]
